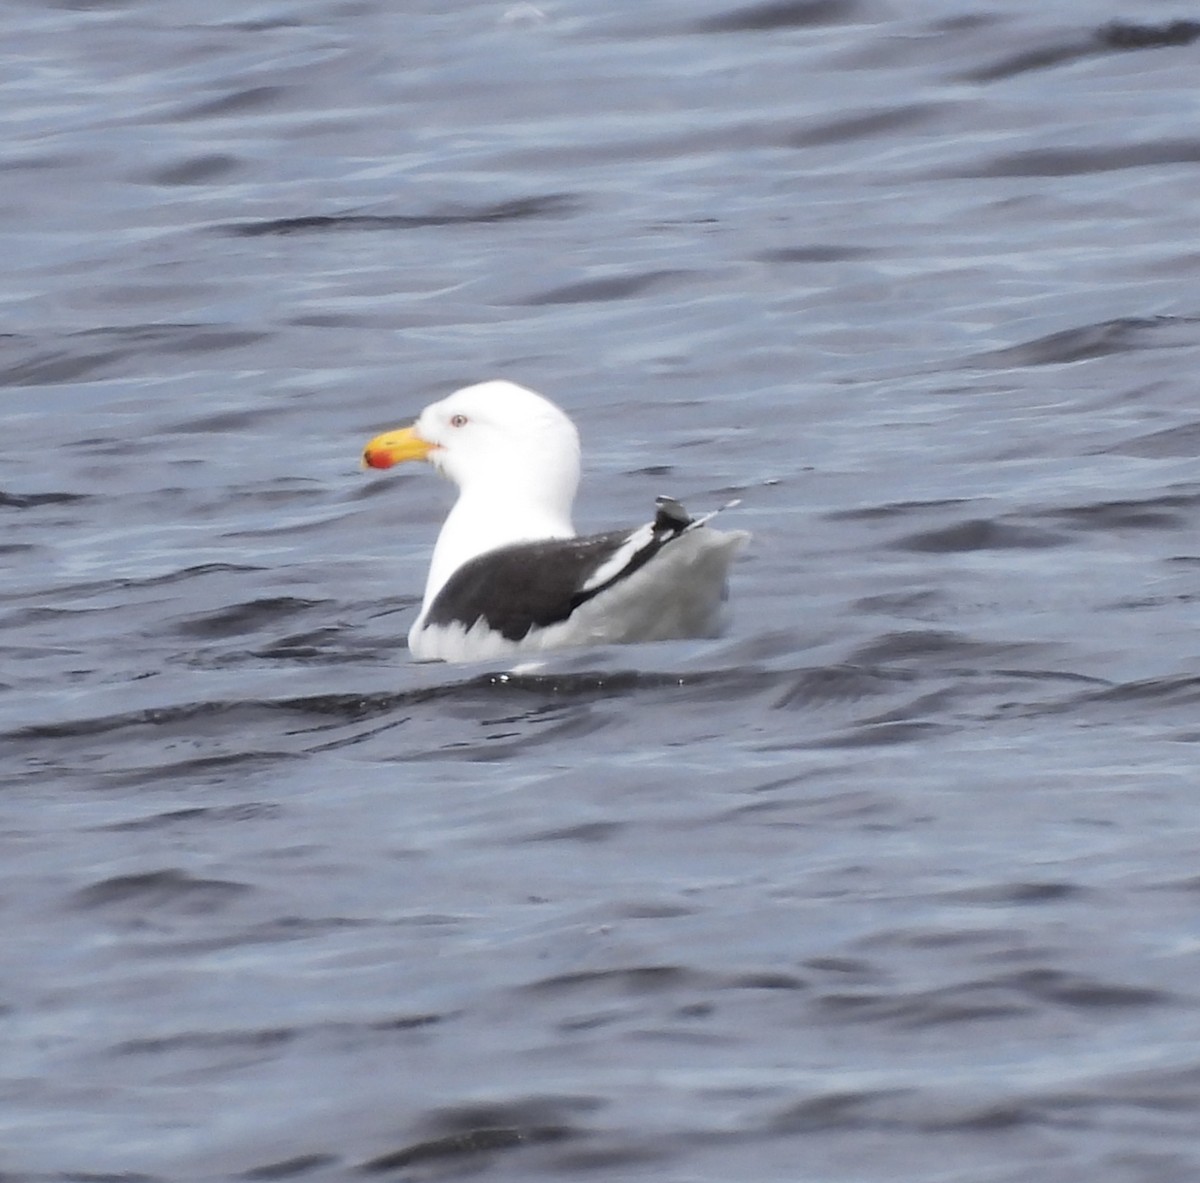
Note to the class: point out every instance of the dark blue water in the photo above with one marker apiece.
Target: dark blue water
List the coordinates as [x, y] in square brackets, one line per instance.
[896, 882]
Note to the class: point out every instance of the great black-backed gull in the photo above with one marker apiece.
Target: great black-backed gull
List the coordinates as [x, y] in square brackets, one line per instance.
[509, 576]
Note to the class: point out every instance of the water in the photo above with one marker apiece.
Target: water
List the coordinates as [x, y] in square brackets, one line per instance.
[896, 882]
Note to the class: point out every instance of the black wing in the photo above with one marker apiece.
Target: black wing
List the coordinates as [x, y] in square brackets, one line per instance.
[537, 584]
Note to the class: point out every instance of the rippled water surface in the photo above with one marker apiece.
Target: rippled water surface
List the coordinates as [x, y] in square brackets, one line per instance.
[897, 882]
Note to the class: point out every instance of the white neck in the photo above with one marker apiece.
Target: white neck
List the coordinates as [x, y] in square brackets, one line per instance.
[485, 519]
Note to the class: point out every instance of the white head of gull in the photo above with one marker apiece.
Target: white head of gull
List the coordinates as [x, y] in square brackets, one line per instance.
[508, 574]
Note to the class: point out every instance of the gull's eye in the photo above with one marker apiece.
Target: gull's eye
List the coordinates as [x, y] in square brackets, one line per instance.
[458, 420]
